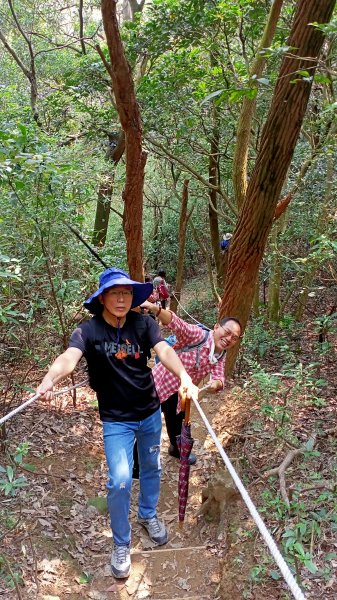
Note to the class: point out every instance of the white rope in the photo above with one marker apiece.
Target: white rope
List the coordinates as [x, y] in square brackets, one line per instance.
[282, 565]
[188, 314]
[31, 400]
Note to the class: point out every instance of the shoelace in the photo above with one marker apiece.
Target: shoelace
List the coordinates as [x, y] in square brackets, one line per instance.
[122, 553]
[154, 525]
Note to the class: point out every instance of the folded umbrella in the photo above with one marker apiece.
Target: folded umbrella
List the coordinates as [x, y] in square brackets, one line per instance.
[185, 443]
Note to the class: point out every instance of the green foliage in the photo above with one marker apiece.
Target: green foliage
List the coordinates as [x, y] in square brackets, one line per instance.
[9, 483]
[12, 578]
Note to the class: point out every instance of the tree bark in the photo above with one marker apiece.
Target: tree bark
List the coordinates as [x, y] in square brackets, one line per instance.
[130, 120]
[278, 140]
[181, 252]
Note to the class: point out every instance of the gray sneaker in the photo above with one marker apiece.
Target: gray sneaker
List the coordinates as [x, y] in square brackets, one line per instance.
[120, 561]
[156, 530]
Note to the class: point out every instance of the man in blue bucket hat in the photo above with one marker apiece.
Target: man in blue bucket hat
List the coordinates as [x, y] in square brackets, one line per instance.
[116, 343]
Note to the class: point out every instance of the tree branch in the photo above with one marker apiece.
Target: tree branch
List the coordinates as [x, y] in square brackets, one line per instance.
[190, 169]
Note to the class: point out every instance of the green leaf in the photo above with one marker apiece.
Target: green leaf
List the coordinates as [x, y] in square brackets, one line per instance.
[212, 95]
[331, 556]
[85, 578]
[29, 467]
[20, 185]
[299, 549]
[310, 566]
[309, 445]
[10, 473]
[8, 488]
[275, 575]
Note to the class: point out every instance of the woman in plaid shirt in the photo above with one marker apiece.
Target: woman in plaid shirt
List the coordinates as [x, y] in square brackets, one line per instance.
[199, 362]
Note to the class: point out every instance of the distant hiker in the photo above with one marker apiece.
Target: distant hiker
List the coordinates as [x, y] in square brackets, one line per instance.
[202, 353]
[160, 286]
[116, 343]
[224, 244]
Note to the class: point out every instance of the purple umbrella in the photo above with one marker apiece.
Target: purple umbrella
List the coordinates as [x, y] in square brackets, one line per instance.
[185, 443]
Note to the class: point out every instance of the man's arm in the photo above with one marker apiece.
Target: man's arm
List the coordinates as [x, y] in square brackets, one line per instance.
[164, 316]
[215, 386]
[172, 363]
[186, 333]
[62, 366]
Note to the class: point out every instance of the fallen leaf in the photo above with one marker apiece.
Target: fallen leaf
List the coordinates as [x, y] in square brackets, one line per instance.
[131, 586]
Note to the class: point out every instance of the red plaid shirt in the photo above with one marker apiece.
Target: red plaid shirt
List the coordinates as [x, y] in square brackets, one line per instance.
[166, 383]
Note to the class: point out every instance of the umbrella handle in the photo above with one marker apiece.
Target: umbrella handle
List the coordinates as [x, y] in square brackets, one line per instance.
[187, 411]
[185, 405]
[183, 401]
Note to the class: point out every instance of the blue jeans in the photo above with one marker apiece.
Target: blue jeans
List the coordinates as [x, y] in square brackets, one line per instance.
[119, 438]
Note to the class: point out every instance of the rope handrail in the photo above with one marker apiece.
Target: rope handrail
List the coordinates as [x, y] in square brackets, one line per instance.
[187, 313]
[267, 537]
[31, 400]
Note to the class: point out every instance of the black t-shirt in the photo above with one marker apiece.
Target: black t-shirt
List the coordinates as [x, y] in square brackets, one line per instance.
[117, 365]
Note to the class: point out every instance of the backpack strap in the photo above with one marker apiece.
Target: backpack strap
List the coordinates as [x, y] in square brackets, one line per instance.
[196, 346]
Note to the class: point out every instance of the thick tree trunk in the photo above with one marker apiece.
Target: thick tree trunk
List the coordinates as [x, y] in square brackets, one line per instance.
[278, 141]
[181, 252]
[130, 120]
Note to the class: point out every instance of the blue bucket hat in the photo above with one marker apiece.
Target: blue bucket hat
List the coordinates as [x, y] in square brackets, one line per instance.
[111, 277]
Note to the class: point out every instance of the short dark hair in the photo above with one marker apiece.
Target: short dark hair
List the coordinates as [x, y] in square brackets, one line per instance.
[226, 319]
[162, 273]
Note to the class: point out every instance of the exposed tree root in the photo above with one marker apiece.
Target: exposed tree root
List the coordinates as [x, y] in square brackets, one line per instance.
[280, 470]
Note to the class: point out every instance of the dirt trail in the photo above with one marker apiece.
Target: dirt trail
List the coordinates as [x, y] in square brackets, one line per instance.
[63, 545]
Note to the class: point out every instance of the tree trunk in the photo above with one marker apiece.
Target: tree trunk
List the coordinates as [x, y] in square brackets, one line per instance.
[130, 120]
[240, 161]
[278, 140]
[212, 207]
[103, 211]
[81, 21]
[181, 252]
[103, 207]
